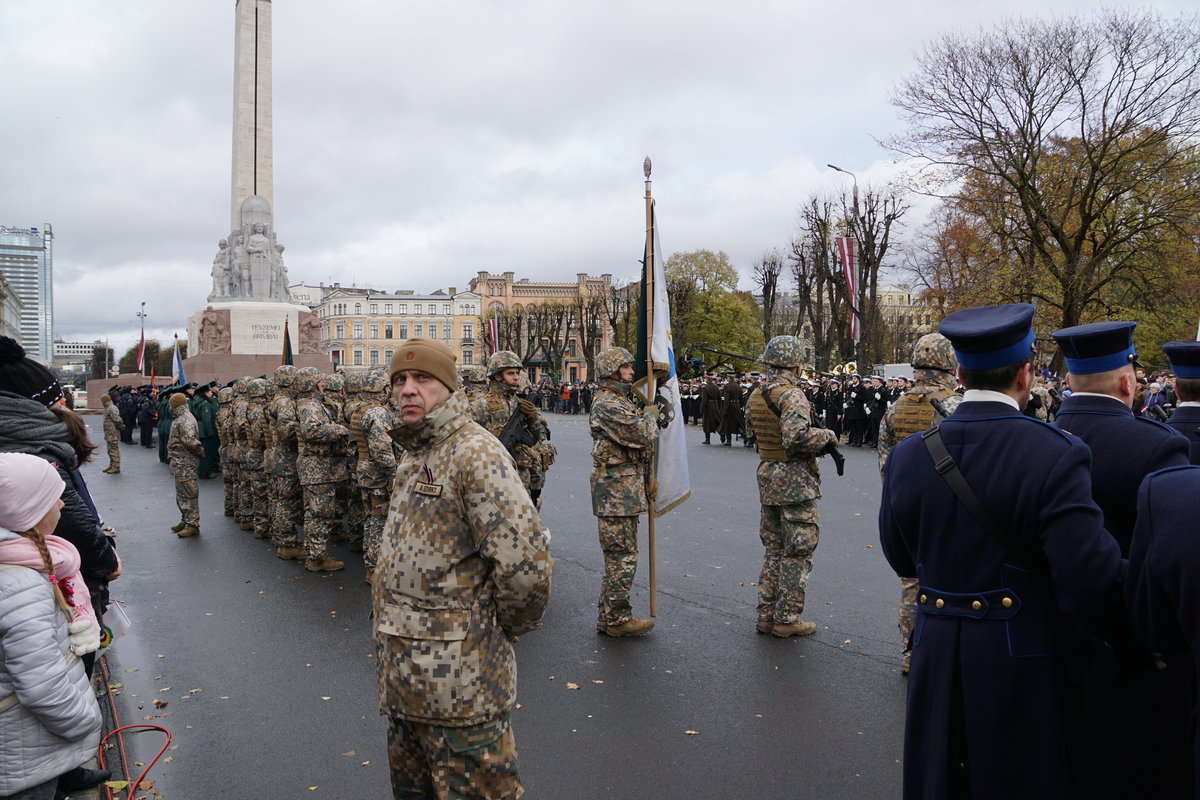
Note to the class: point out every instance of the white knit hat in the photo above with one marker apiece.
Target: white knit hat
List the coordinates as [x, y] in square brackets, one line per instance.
[29, 487]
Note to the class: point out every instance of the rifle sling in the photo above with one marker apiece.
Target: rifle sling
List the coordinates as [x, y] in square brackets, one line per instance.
[944, 463]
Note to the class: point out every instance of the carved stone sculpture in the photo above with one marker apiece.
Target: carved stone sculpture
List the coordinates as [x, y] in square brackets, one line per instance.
[310, 332]
[214, 331]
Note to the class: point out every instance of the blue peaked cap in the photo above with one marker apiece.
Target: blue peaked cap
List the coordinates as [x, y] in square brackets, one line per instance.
[1184, 357]
[990, 336]
[1097, 346]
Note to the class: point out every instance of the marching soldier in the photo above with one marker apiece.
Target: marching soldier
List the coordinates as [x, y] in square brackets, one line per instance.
[373, 419]
[934, 365]
[622, 453]
[112, 428]
[494, 409]
[184, 451]
[287, 510]
[320, 470]
[789, 483]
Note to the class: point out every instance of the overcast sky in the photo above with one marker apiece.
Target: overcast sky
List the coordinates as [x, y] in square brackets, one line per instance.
[417, 143]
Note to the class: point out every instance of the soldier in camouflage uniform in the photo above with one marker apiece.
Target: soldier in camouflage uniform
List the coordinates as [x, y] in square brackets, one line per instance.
[253, 465]
[184, 452]
[934, 367]
[464, 569]
[287, 509]
[622, 453]
[372, 421]
[319, 468]
[475, 382]
[243, 502]
[355, 511]
[225, 437]
[495, 408]
[789, 483]
[113, 425]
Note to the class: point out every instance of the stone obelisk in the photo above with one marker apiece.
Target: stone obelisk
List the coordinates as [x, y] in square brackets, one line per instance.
[240, 331]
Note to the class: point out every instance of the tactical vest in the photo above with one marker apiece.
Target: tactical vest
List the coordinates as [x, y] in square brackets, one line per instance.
[764, 418]
[914, 413]
[356, 430]
[496, 406]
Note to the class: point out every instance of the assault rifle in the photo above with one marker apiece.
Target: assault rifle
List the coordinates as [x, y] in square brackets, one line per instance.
[516, 431]
[839, 460]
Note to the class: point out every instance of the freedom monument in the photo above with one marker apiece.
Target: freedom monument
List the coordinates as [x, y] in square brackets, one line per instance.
[240, 331]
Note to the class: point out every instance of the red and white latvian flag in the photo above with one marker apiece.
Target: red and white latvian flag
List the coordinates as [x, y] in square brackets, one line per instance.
[142, 353]
[846, 254]
[493, 333]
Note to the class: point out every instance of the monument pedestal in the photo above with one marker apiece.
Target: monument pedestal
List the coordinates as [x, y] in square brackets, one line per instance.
[239, 338]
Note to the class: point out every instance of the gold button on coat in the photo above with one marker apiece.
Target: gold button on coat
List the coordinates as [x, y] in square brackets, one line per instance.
[975, 604]
[940, 602]
[923, 598]
[1006, 602]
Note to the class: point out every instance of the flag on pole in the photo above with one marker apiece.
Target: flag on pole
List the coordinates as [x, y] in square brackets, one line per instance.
[153, 385]
[671, 467]
[493, 332]
[287, 344]
[142, 353]
[845, 248]
[177, 366]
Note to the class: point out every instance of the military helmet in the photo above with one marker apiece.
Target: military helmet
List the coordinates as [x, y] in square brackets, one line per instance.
[375, 381]
[241, 386]
[609, 361]
[256, 387]
[284, 375]
[225, 395]
[475, 376]
[354, 382]
[502, 360]
[306, 379]
[934, 351]
[334, 382]
[783, 351]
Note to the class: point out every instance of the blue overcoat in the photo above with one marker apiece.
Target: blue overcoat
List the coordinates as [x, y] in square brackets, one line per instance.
[1186, 420]
[994, 640]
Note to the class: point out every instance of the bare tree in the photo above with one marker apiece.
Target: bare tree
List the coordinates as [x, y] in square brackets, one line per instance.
[871, 221]
[766, 278]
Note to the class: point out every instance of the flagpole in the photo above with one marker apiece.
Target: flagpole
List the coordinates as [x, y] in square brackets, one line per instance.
[650, 387]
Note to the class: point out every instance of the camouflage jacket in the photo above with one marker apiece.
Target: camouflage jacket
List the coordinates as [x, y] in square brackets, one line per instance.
[494, 408]
[281, 416]
[797, 480]
[252, 435]
[929, 383]
[184, 450]
[236, 446]
[464, 566]
[376, 423]
[224, 425]
[318, 437]
[112, 423]
[622, 450]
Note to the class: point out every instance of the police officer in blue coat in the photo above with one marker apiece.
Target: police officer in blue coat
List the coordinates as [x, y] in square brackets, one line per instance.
[1125, 448]
[1135, 715]
[1003, 588]
[1164, 565]
[1185, 363]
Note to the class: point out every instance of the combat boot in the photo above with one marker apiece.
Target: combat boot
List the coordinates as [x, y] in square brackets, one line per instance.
[246, 526]
[370, 578]
[797, 628]
[634, 627]
[323, 564]
[177, 527]
[188, 530]
[764, 626]
[291, 553]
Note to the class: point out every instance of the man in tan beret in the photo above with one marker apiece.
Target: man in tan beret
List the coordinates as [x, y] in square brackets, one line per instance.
[463, 570]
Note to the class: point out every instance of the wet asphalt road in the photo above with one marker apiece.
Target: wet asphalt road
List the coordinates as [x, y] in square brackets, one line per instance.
[270, 685]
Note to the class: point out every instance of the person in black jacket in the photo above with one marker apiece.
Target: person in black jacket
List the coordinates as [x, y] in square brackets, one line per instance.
[127, 404]
[146, 417]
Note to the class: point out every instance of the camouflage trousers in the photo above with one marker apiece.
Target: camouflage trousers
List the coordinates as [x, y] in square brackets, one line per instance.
[287, 510]
[247, 481]
[114, 453]
[789, 535]
[618, 541]
[230, 474]
[259, 483]
[350, 502]
[908, 616]
[375, 501]
[321, 517]
[187, 497]
[439, 762]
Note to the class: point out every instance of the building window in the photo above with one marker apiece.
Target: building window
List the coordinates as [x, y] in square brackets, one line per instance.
[388, 330]
[374, 308]
[403, 331]
[468, 356]
[418, 328]
[416, 308]
[358, 308]
[358, 358]
[446, 332]
[468, 330]
[387, 308]
[339, 331]
[374, 330]
[387, 354]
[433, 330]
[446, 309]
[336, 357]
[358, 330]
[374, 356]
[403, 309]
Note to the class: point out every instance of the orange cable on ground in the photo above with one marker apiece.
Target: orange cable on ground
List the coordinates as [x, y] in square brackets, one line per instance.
[117, 731]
